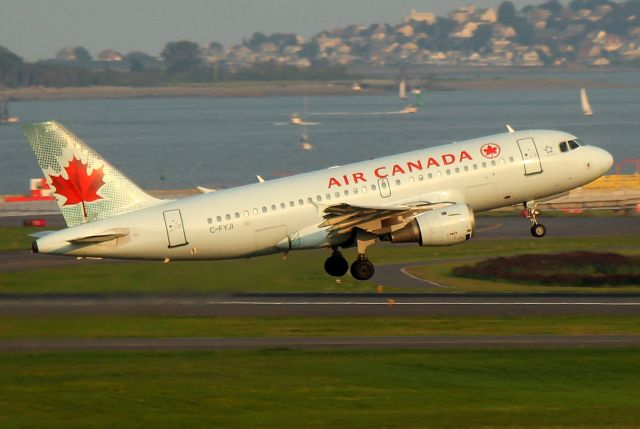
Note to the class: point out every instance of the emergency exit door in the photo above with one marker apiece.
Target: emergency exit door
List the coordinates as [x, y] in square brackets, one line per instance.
[530, 156]
[175, 228]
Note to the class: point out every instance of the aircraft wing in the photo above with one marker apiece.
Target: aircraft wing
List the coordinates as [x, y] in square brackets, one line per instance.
[344, 218]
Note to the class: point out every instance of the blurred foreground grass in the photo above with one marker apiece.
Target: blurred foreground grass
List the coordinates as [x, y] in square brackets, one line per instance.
[337, 389]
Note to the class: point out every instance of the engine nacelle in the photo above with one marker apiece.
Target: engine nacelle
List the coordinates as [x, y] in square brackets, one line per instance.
[439, 227]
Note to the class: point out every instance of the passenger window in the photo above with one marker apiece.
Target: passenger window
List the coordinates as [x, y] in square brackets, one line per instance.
[475, 166]
[420, 178]
[300, 202]
[292, 203]
[255, 211]
[273, 207]
[457, 170]
[430, 176]
[355, 191]
[337, 194]
[398, 182]
[493, 163]
[373, 187]
[564, 147]
[264, 209]
[484, 165]
[219, 218]
[328, 196]
[318, 198]
[246, 213]
[439, 174]
[209, 220]
[412, 179]
[228, 216]
[448, 172]
[237, 215]
[310, 200]
[466, 168]
[511, 159]
[283, 206]
[364, 189]
[346, 192]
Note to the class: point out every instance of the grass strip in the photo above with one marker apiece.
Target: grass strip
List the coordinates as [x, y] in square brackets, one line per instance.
[337, 389]
[120, 326]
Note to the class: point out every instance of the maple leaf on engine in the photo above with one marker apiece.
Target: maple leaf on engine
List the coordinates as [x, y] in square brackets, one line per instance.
[80, 187]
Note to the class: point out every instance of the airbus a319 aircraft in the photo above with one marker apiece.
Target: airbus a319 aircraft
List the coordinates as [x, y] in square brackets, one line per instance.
[427, 196]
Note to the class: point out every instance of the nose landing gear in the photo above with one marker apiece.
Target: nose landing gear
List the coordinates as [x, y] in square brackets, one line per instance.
[538, 230]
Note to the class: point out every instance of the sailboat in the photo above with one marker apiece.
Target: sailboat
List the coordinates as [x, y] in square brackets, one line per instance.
[304, 138]
[584, 101]
[402, 90]
[4, 114]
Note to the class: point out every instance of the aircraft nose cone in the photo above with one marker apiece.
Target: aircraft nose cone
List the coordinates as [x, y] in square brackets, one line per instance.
[606, 160]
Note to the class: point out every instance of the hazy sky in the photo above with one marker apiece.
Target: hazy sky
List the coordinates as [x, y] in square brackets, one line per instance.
[37, 29]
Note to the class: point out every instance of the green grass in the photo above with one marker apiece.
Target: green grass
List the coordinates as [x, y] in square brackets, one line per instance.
[118, 326]
[16, 238]
[337, 389]
[302, 271]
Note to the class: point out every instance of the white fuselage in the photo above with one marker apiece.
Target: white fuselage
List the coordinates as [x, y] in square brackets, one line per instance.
[283, 214]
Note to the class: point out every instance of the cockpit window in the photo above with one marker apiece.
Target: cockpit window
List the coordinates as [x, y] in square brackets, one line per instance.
[564, 147]
[573, 144]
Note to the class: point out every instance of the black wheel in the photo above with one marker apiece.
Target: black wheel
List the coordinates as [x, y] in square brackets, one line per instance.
[362, 269]
[538, 230]
[336, 265]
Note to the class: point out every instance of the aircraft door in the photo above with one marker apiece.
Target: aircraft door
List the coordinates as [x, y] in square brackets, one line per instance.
[530, 156]
[384, 188]
[175, 229]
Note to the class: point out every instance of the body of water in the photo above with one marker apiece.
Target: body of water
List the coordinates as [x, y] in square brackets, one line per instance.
[177, 143]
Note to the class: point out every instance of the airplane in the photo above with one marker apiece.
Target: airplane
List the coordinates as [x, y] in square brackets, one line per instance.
[427, 196]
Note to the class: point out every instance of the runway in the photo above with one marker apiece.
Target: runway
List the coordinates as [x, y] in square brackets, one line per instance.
[327, 305]
[315, 343]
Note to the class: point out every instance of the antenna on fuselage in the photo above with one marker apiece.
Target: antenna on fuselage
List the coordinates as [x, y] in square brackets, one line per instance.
[511, 130]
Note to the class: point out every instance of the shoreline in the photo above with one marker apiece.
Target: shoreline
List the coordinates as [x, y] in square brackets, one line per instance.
[297, 88]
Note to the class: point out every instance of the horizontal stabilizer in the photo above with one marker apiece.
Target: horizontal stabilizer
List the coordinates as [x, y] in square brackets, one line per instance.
[99, 238]
[41, 234]
[204, 190]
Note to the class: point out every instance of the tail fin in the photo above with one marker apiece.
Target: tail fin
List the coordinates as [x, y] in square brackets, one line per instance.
[86, 186]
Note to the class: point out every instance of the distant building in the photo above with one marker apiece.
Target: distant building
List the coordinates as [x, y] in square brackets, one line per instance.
[110, 55]
[428, 17]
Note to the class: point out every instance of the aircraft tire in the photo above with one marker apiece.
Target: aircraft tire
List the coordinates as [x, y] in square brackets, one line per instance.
[538, 230]
[362, 269]
[336, 265]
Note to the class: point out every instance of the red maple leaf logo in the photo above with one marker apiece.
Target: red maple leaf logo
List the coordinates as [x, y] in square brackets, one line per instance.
[80, 187]
[490, 151]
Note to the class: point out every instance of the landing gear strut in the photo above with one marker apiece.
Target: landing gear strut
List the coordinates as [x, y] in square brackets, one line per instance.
[362, 268]
[538, 230]
[336, 265]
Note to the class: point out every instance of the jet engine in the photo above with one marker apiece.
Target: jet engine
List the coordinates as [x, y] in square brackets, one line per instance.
[439, 227]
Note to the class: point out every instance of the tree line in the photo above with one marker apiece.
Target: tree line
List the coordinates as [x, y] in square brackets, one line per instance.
[182, 63]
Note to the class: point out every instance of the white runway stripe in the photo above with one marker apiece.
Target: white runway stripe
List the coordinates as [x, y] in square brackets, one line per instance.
[615, 304]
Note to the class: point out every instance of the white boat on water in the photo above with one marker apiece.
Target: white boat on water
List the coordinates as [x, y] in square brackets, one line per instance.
[295, 119]
[584, 102]
[402, 90]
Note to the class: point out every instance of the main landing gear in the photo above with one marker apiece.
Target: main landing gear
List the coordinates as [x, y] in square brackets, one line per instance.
[538, 230]
[362, 268]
